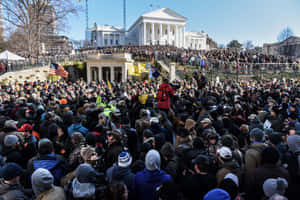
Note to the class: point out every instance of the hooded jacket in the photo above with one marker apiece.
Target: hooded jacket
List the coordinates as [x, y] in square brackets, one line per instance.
[116, 173]
[147, 182]
[77, 128]
[56, 164]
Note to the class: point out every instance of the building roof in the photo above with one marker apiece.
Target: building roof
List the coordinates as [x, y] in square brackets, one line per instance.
[165, 13]
[108, 28]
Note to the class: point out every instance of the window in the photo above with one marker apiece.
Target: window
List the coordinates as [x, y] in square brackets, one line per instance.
[117, 42]
[166, 32]
[105, 42]
[111, 41]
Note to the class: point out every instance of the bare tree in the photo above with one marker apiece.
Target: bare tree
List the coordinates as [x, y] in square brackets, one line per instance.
[248, 45]
[284, 34]
[36, 19]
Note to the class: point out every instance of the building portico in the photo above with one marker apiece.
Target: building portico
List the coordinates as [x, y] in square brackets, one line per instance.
[108, 67]
[163, 27]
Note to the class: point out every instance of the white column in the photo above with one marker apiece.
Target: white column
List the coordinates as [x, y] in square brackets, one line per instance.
[112, 74]
[140, 34]
[145, 33]
[176, 35]
[102, 42]
[160, 34]
[179, 36]
[88, 71]
[183, 29]
[169, 38]
[152, 33]
[182, 36]
[100, 73]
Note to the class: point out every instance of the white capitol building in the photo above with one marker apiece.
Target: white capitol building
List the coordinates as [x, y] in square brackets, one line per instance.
[159, 27]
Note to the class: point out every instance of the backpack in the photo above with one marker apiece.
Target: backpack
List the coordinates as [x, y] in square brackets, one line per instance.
[162, 95]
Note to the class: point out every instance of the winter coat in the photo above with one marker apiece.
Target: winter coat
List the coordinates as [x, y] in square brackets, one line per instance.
[276, 123]
[56, 164]
[197, 185]
[147, 182]
[256, 179]
[228, 167]
[13, 155]
[77, 128]
[30, 148]
[55, 193]
[112, 153]
[253, 156]
[44, 129]
[164, 94]
[171, 167]
[12, 192]
[124, 174]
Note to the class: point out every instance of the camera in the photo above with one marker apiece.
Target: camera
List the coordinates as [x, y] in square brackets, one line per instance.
[175, 85]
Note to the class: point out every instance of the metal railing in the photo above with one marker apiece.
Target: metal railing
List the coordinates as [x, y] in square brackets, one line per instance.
[29, 63]
[258, 71]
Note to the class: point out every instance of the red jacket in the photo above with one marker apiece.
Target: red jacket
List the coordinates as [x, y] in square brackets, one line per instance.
[164, 93]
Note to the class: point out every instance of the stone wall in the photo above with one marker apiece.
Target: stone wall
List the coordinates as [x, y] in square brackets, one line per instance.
[39, 73]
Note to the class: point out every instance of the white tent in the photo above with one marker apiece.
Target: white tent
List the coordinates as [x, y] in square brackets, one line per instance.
[6, 55]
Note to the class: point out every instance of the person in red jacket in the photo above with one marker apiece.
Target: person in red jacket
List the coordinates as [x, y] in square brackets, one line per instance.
[164, 94]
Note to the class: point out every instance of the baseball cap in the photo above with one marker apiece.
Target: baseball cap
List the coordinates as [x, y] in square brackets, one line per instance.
[225, 153]
[25, 127]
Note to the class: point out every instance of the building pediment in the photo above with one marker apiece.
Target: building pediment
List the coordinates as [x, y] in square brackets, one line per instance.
[165, 13]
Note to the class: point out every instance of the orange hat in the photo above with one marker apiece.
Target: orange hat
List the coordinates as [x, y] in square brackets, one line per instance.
[63, 101]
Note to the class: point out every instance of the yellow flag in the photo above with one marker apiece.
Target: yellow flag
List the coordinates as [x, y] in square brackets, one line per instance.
[108, 84]
[136, 69]
[131, 70]
[142, 68]
[143, 98]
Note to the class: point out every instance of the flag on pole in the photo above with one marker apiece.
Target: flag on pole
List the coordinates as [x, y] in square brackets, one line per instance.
[153, 72]
[52, 69]
[108, 85]
[56, 69]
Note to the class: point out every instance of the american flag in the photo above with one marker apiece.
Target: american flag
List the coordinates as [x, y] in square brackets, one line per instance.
[52, 69]
[56, 69]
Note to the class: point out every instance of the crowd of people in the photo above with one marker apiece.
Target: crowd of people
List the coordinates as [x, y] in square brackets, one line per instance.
[147, 140]
[229, 60]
